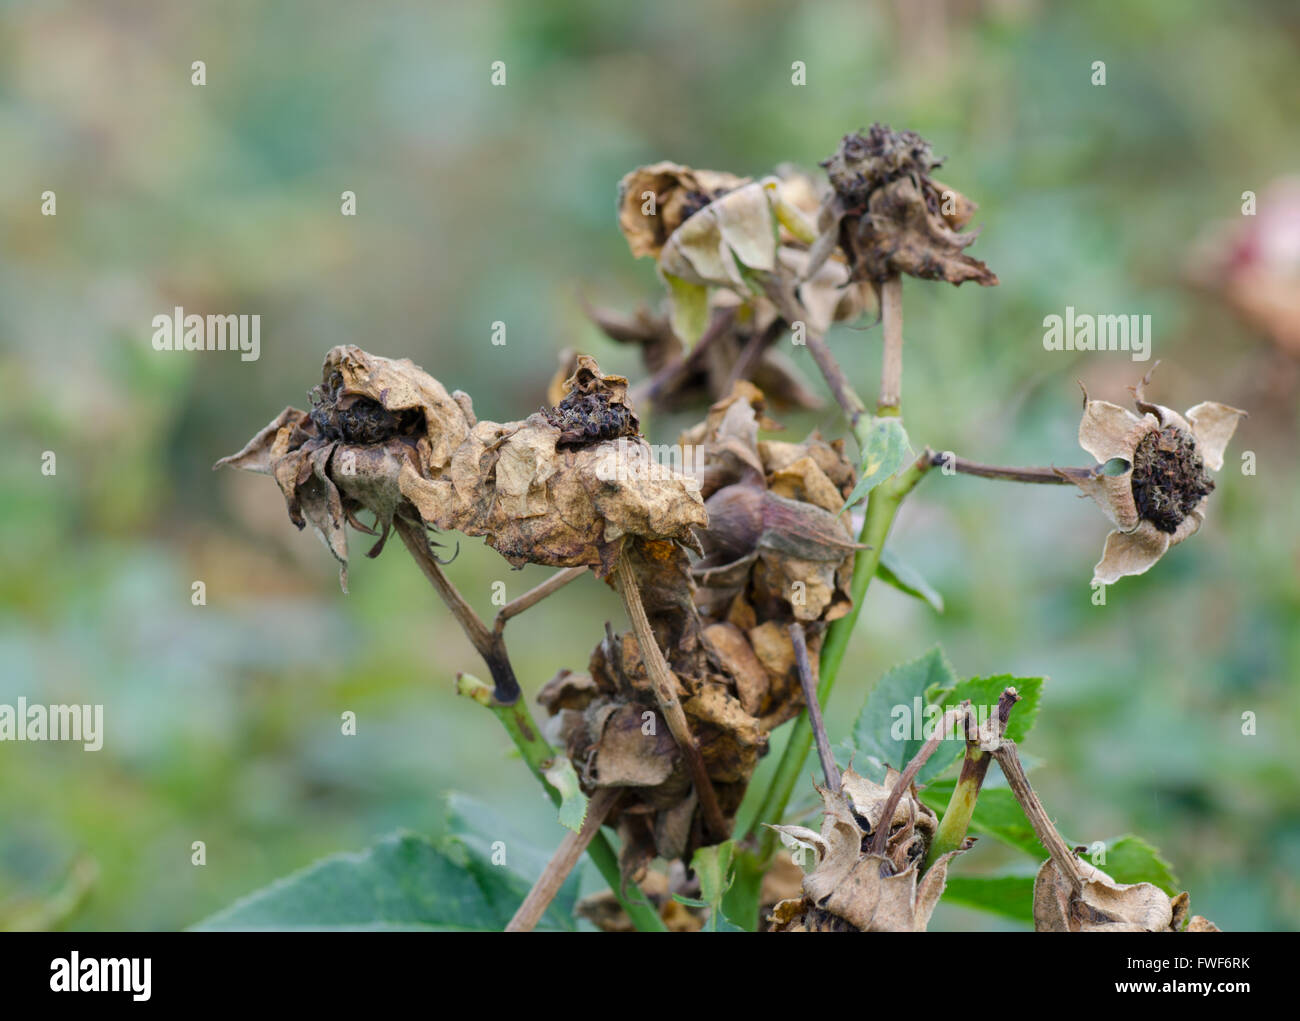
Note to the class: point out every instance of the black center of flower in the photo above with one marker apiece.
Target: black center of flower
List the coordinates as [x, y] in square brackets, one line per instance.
[1169, 477]
[353, 419]
[586, 418]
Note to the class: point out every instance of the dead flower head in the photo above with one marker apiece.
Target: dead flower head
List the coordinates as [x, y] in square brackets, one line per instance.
[555, 489]
[1102, 905]
[1159, 499]
[853, 890]
[744, 237]
[893, 217]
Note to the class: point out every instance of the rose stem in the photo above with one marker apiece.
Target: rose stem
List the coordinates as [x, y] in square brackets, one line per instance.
[751, 353]
[1045, 476]
[1037, 815]
[665, 688]
[533, 596]
[809, 683]
[951, 833]
[891, 363]
[537, 755]
[880, 839]
[882, 505]
[648, 390]
[562, 862]
[490, 645]
[514, 715]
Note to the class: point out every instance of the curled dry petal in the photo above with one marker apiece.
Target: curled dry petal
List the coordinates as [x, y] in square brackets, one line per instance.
[891, 217]
[852, 890]
[653, 201]
[1102, 905]
[566, 487]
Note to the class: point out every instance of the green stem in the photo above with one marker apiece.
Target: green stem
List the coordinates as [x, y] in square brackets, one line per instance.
[951, 833]
[537, 752]
[882, 506]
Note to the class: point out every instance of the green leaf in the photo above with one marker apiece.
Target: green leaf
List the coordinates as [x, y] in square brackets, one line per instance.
[407, 882]
[1008, 896]
[712, 866]
[690, 308]
[997, 815]
[984, 693]
[905, 578]
[1130, 859]
[885, 449]
[573, 803]
[891, 727]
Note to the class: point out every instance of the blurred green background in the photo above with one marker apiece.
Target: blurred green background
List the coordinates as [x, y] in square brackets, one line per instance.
[479, 203]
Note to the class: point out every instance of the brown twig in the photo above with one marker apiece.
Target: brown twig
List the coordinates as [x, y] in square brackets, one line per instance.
[490, 645]
[535, 595]
[1052, 476]
[752, 353]
[891, 364]
[649, 389]
[1037, 815]
[841, 389]
[562, 862]
[665, 689]
[880, 839]
[829, 769]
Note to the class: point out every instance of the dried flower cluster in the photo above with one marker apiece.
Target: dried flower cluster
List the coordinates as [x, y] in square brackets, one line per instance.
[775, 553]
[853, 890]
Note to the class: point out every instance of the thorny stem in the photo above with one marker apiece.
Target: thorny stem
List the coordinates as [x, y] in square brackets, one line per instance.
[537, 754]
[1044, 476]
[1061, 853]
[951, 833]
[891, 363]
[809, 684]
[665, 689]
[880, 839]
[490, 645]
[562, 862]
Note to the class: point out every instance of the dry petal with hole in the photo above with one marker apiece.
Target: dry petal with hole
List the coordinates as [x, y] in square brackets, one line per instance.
[1160, 497]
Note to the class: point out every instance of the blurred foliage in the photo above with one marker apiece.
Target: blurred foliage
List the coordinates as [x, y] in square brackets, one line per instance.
[477, 204]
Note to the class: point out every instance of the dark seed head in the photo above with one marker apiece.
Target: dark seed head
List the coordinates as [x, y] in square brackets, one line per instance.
[353, 419]
[586, 418]
[1169, 477]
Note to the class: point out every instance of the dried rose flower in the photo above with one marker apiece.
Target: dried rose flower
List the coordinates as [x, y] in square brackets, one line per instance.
[890, 216]
[749, 239]
[853, 890]
[1103, 905]
[563, 487]
[1160, 498]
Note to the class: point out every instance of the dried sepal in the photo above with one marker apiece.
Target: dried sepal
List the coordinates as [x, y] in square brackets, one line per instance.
[1100, 904]
[852, 890]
